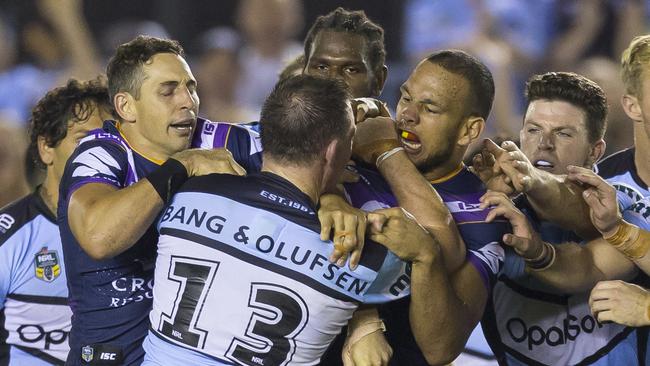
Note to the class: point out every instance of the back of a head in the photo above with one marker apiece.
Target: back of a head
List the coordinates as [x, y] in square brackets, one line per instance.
[353, 22]
[634, 59]
[124, 70]
[478, 76]
[577, 90]
[301, 116]
[75, 101]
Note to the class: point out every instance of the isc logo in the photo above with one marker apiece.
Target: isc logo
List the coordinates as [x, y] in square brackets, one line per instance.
[108, 356]
[6, 221]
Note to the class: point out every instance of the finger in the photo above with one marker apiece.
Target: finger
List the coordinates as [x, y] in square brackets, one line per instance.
[590, 195]
[376, 221]
[349, 241]
[362, 111]
[326, 223]
[600, 305]
[239, 170]
[516, 242]
[355, 256]
[391, 212]
[509, 146]
[341, 261]
[492, 148]
[606, 316]
[585, 176]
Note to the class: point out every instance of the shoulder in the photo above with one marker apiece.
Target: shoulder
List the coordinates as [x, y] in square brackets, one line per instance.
[16, 215]
[618, 163]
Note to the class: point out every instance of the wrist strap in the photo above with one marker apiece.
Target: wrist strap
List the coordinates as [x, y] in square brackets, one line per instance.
[168, 178]
[384, 156]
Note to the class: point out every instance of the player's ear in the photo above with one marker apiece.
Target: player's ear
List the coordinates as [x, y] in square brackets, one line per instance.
[632, 107]
[471, 130]
[125, 106]
[45, 151]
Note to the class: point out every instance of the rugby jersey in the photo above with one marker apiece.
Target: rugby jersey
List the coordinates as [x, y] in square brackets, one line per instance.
[242, 276]
[528, 323]
[34, 311]
[110, 298]
[460, 191]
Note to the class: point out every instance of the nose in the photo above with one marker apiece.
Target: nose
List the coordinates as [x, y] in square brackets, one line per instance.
[546, 142]
[189, 99]
[409, 114]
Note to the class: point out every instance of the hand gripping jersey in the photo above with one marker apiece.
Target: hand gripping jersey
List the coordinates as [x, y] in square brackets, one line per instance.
[34, 312]
[460, 191]
[526, 323]
[110, 299]
[242, 277]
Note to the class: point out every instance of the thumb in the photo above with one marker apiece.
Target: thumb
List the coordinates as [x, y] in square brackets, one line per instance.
[517, 242]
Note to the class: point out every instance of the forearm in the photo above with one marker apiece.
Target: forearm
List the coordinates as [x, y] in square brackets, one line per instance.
[441, 321]
[415, 194]
[106, 222]
[572, 271]
[560, 201]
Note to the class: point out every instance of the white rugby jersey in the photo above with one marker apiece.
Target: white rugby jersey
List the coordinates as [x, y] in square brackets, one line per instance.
[34, 311]
[242, 277]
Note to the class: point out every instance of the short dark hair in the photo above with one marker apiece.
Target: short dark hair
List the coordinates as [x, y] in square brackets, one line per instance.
[481, 93]
[124, 69]
[75, 101]
[354, 22]
[302, 115]
[577, 90]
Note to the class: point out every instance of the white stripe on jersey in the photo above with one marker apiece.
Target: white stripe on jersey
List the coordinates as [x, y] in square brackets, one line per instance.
[95, 161]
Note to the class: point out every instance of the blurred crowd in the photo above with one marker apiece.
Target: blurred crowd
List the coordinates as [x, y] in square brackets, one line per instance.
[237, 49]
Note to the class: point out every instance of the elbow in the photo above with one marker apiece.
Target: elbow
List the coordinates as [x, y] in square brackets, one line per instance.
[96, 248]
[440, 359]
[444, 354]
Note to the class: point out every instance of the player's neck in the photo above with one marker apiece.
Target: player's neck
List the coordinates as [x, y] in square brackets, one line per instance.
[49, 191]
[642, 153]
[303, 177]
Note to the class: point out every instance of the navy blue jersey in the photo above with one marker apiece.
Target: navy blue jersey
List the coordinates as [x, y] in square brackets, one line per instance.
[526, 322]
[242, 276]
[34, 312]
[242, 140]
[111, 298]
[460, 191]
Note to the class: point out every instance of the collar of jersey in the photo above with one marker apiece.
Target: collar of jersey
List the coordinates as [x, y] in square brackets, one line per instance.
[449, 175]
[119, 129]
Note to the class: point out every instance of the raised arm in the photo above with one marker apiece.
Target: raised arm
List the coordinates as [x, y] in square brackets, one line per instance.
[376, 142]
[553, 197]
[569, 267]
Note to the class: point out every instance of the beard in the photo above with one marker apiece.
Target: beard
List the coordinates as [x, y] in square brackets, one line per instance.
[436, 159]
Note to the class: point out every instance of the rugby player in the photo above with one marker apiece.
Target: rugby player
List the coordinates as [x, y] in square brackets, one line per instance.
[113, 188]
[34, 311]
[241, 272]
[564, 125]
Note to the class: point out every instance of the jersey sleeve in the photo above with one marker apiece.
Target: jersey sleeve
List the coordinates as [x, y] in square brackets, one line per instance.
[10, 236]
[96, 161]
[5, 270]
[484, 247]
[393, 279]
[242, 140]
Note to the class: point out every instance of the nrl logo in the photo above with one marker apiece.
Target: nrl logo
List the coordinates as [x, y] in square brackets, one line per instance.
[47, 266]
[87, 353]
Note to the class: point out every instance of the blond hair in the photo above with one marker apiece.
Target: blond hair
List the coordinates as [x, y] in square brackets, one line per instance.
[633, 61]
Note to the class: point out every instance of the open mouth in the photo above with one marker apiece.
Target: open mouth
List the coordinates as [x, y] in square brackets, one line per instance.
[183, 127]
[543, 164]
[409, 140]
